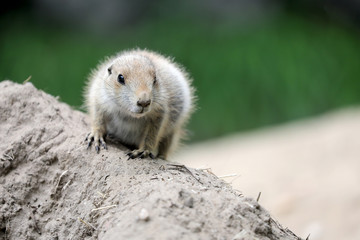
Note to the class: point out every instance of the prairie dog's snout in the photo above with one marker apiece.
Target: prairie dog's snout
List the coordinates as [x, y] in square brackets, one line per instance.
[143, 99]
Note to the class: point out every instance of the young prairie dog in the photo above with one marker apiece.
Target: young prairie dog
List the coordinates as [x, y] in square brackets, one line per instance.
[142, 99]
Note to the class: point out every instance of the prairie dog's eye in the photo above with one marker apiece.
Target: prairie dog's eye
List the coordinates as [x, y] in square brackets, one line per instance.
[121, 79]
[109, 70]
[155, 80]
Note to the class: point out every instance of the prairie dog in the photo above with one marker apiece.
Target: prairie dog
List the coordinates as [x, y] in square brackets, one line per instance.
[142, 99]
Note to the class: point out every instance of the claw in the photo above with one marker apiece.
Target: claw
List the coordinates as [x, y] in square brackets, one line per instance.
[97, 148]
[94, 138]
[135, 154]
[87, 137]
[90, 142]
[103, 144]
[140, 154]
[129, 154]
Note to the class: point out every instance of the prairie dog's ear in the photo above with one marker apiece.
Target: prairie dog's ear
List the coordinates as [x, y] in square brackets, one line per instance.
[109, 70]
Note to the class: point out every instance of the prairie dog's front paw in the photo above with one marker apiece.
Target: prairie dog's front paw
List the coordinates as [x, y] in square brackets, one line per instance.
[97, 138]
[138, 153]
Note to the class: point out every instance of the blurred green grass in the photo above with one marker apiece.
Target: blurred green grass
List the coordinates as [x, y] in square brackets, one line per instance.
[245, 78]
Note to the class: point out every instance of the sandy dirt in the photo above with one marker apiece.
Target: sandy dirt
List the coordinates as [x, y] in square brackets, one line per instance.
[308, 172]
[52, 187]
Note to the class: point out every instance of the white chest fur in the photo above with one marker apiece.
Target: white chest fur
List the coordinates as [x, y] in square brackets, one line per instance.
[128, 130]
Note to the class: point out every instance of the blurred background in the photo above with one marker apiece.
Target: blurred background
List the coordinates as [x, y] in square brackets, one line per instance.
[255, 63]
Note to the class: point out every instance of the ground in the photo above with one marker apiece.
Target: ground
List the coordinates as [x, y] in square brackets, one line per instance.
[53, 187]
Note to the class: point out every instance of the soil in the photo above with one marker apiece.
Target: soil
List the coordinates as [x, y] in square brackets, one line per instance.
[53, 187]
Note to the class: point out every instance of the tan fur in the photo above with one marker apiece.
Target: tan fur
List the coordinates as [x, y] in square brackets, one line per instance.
[148, 111]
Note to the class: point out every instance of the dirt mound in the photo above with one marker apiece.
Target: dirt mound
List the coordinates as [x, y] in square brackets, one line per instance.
[52, 187]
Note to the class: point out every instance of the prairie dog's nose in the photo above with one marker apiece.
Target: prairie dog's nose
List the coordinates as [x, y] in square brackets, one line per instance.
[143, 100]
[143, 103]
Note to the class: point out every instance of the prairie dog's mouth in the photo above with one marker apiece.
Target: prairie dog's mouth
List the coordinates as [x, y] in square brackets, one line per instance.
[140, 111]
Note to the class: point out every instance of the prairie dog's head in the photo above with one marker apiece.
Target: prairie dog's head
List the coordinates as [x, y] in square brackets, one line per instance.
[133, 83]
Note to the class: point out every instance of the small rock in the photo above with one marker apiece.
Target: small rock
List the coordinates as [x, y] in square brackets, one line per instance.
[194, 227]
[189, 202]
[144, 215]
